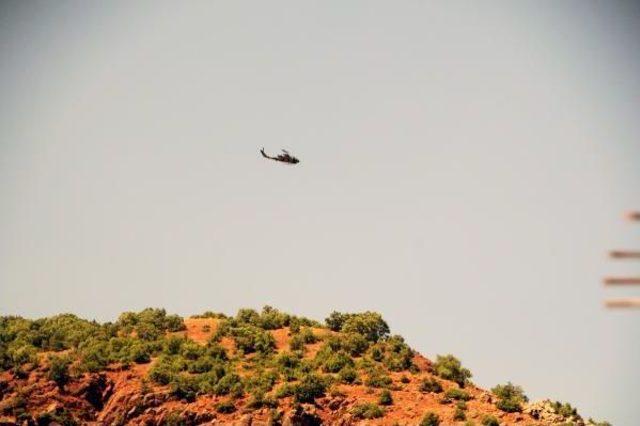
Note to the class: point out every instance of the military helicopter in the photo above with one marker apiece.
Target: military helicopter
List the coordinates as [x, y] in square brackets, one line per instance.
[285, 157]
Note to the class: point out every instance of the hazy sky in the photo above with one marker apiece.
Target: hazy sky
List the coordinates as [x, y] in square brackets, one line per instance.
[465, 168]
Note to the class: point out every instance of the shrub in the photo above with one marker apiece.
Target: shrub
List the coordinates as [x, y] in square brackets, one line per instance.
[489, 420]
[229, 383]
[377, 353]
[150, 323]
[172, 345]
[225, 407]
[378, 379]
[307, 336]
[210, 314]
[335, 320]
[430, 385]
[348, 375]
[252, 339]
[285, 391]
[459, 414]
[262, 380]
[184, 387]
[94, 355]
[405, 379]
[162, 372]
[59, 370]
[259, 400]
[310, 387]
[21, 354]
[385, 398]
[563, 409]
[287, 360]
[140, 354]
[430, 419]
[271, 318]
[294, 326]
[355, 344]
[449, 367]
[368, 324]
[457, 394]
[191, 350]
[296, 343]
[215, 351]
[336, 362]
[367, 411]
[400, 355]
[510, 397]
[199, 366]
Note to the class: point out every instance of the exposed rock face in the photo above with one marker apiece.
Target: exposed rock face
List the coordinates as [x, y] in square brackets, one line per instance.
[548, 413]
[97, 390]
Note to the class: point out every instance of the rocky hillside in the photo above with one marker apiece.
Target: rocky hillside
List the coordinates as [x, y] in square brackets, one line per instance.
[255, 368]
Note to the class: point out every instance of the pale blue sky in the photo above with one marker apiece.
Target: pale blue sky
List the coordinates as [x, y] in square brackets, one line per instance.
[465, 168]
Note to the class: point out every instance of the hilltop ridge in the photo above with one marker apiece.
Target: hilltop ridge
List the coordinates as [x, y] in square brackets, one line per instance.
[254, 368]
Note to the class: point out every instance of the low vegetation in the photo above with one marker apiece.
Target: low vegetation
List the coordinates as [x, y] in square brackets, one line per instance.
[240, 365]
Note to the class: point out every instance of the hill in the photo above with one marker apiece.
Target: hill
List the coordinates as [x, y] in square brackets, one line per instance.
[255, 368]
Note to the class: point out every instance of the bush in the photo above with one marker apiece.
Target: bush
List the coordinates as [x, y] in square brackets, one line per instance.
[172, 345]
[310, 387]
[307, 335]
[262, 380]
[457, 394]
[285, 391]
[335, 320]
[225, 407]
[259, 400]
[59, 370]
[490, 421]
[377, 353]
[400, 355]
[296, 343]
[367, 411]
[229, 383]
[94, 355]
[378, 379]
[430, 419]
[191, 350]
[510, 397]
[140, 354]
[252, 339]
[368, 324]
[348, 375]
[210, 314]
[563, 409]
[385, 398]
[150, 323]
[163, 371]
[21, 354]
[430, 385]
[459, 414]
[336, 362]
[449, 367]
[355, 344]
[184, 387]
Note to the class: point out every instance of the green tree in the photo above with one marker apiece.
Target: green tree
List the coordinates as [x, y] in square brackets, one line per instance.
[449, 367]
[510, 397]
